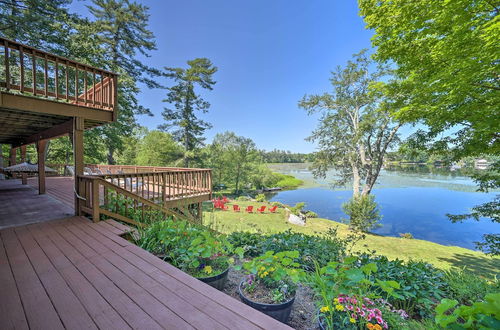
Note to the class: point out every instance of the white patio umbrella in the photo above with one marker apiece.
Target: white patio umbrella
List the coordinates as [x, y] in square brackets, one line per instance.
[27, 168]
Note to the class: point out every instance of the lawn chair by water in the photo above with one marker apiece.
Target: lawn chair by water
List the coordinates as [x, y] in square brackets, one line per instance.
[225, 200]
[249, 209]
[261, 209]
[273, 209]
[236, 208]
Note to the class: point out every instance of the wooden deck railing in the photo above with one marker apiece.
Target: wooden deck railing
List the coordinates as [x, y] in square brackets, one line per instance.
[118, 169]
[33, 72]
[136, 197]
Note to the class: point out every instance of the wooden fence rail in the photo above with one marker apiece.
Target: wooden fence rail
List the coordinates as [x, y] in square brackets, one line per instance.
[137, 198]
[33, 72]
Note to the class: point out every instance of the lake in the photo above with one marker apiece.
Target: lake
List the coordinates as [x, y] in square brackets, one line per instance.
[411, 199]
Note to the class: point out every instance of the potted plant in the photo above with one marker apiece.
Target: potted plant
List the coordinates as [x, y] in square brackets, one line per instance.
[194, 249]
[270, 284]
[349, 297]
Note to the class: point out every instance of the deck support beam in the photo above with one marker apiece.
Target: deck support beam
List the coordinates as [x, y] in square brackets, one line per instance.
[24, 176]
[12, 156]
[77, 138]
[41, 150]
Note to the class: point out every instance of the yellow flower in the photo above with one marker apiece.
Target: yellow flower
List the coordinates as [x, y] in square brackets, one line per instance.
[324, 309]
[272, 269]
[377, 327]
[352, 320]
[262, 268]
[208, 269]
[339, 307]
[336, 300]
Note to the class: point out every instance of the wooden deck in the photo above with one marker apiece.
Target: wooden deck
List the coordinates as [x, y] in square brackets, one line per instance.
[74, 274]
[61, 188]
[21, 205]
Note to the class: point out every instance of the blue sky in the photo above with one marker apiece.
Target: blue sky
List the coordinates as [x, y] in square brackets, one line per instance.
[269, 54]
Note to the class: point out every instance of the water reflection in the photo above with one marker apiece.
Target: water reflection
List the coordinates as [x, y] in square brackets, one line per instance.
[412, 199]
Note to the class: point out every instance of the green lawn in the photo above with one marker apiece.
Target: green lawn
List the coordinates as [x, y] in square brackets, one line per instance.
[441, 256]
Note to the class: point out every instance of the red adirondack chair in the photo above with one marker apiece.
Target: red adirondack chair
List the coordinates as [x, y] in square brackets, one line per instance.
[249, 209]
[273, 209]
[261, 209]
[223, 207]
[236, 208]
[225, 200]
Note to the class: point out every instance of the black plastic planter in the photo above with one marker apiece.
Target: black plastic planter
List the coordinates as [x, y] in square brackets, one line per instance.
[217, 281]
[280, 312]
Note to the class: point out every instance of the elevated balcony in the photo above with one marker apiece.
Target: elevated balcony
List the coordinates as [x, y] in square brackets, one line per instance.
[41, 93]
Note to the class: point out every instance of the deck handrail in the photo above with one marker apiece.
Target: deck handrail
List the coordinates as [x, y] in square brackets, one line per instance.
[55, 77]
[139, 168]
[164, 186]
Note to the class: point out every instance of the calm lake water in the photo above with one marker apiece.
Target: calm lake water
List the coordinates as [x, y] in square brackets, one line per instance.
[411, 200]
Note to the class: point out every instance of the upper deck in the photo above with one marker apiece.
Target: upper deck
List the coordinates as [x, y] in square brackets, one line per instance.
[40, 93]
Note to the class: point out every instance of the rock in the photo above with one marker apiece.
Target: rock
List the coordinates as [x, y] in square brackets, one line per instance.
[297, 220]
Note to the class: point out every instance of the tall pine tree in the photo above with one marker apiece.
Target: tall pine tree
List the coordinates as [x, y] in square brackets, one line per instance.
[124, 35]
[189, 128]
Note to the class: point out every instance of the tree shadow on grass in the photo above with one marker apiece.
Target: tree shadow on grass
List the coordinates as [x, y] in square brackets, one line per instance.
[486, 267]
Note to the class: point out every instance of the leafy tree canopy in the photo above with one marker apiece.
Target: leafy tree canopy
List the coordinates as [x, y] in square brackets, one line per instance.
[446, 54]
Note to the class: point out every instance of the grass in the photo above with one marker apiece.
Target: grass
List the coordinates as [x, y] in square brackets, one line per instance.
[441, 256]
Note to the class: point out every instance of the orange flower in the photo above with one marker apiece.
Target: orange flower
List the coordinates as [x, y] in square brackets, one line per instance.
[369, 326]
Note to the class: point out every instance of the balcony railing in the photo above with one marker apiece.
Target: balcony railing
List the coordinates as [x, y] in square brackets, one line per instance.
[33, 72]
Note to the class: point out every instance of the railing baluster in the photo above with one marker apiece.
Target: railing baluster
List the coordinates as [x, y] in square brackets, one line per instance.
[7, 64]
[76, 84]
[34, 72]
[67, 82]
[56, 63]
[46, 77]
[21, 69]
[110, 92]
[85, 87]
[93, 86]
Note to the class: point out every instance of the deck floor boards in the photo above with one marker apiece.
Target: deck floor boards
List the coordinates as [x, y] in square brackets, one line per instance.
[75, 274]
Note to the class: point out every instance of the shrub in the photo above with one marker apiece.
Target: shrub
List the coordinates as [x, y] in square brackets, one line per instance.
[250, 242]
[466, 287]
[481, 315]
[421, 284]
[363, 213]
[192, 248]
[243, 198]
[260, 198]
[311, 214]
[278, 204]
[297, 208]
[288, 181]
[406, 235]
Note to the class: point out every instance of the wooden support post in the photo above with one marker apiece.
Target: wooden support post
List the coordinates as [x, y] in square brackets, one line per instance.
[2, 177]
[78, 128]
[200, 213]
[40, 149]
[12, 156]
[24, 176]
[95, 201]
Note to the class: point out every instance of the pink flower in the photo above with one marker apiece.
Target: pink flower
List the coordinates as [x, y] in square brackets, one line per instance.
[362, 313]
[350, 307]
[385, 325]
[341, 300]
[377, 311]
[379, 320]
[358, 310]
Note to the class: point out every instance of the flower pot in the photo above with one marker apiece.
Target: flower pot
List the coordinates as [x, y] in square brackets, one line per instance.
[280, 312]
[217, 281]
